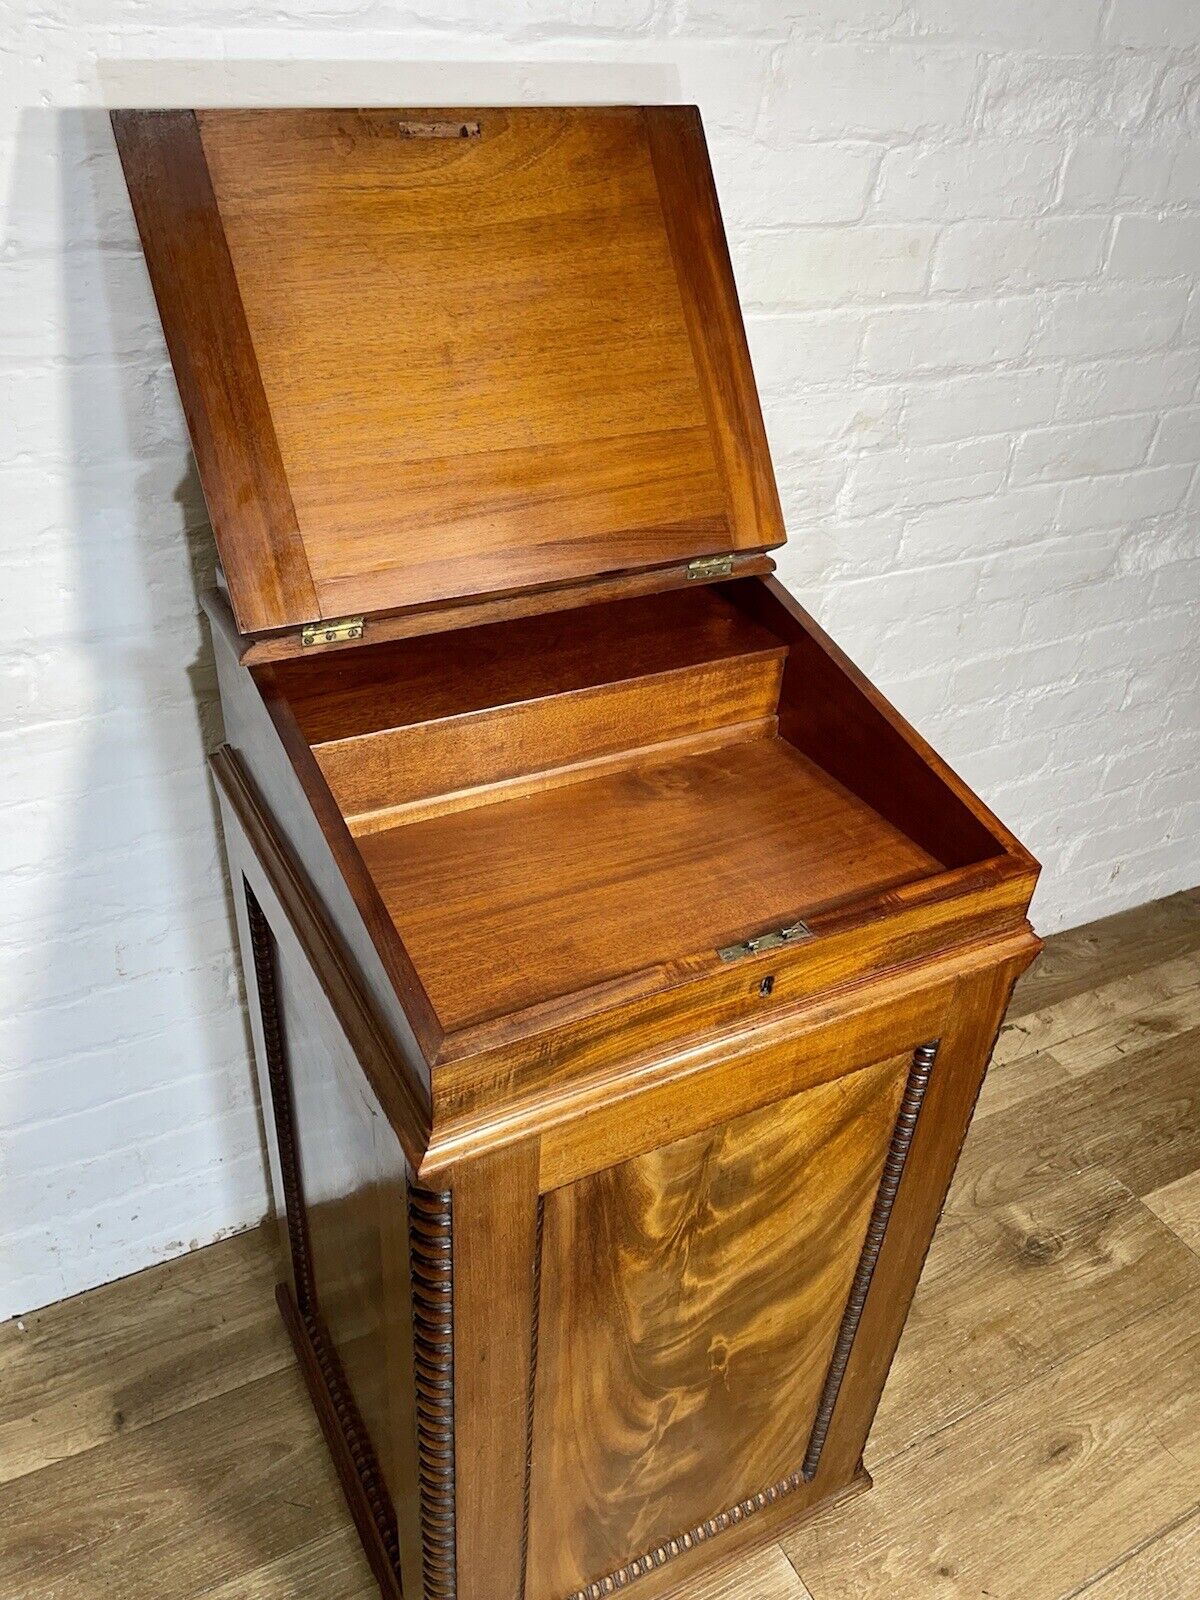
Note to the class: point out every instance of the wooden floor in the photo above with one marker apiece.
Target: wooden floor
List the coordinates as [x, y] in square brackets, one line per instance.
[1039, 1438]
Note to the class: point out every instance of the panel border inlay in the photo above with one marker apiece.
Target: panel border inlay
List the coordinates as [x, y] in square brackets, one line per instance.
[670, 1548]
[919, 1073]
[349, 1442]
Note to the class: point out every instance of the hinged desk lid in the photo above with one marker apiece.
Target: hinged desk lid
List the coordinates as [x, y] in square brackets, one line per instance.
[434, 354]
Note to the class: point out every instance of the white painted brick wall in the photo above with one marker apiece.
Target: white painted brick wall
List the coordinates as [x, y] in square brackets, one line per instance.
[968, 236]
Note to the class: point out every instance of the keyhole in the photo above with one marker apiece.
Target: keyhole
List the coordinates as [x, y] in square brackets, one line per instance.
[766, 986]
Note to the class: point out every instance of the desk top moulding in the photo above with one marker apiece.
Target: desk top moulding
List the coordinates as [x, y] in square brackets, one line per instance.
[624, 968]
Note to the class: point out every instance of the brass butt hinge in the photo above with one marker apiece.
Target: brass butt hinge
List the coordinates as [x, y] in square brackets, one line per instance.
[710, 567]
[792, 934]
[335, 631]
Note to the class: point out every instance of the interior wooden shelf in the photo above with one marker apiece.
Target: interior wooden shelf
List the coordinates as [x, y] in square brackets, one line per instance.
[583, 803]
[511, 904]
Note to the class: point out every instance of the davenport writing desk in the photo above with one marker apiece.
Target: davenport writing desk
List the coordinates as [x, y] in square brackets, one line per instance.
[623, 968]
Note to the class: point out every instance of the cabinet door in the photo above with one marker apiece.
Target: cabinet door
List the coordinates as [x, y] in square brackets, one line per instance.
[696, 1304]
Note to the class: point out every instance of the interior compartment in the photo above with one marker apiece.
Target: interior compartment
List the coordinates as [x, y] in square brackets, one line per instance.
[550, 804]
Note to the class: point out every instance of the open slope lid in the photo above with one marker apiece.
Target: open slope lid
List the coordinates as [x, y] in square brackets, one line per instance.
[433, 355]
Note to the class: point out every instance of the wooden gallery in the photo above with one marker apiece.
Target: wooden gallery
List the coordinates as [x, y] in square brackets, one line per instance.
[623, 968]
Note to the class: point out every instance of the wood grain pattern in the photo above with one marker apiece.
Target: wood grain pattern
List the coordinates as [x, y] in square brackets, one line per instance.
[1011, 1293]
[697, 852]
[567, 393]
[1037, 1492]
[1115, 947]
[714, 321]
[1144, 1127]
[344, 695]
[1167, 1567]
[838, 718]
[415, 769]
[1178, 1205]
[284, 806]
[495, 1270]
[220, 385]
[280, 1106]
[691, 1300]
[349, 1444]
[178, 1507]
[75, 1376]
[473, 611]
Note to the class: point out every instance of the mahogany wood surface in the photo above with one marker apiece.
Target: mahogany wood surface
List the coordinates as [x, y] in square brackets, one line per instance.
[338, 698]
[841, 720]
[473, 611]
[495, 1244]
[220, 385]
[633, 868]
[690, 1301]
[473, 364]
[517, 700]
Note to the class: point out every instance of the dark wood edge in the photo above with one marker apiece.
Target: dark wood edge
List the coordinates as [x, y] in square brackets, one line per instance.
[769, 603]
[262, 950]
[212, 353]
[696, 234]
[345, 1433]
[385, 936]
[942, 890]
[306, 771]
[431, 1250]
[407, 1109]
[535, 1325]
[415, 621]
[346, 1437]
[889, 1183]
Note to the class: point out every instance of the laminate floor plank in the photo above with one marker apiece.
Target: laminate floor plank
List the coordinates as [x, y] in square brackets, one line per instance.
[1010, 1082]
[1090, 1030]
[1139, 1118]
[177, 1508]
[1167, 1568]
[765, 1574]
[1016, 1291]
[331, 1568]
[131, 1353]
[1178, 1205]
[1085, 957]
[1035, 1493]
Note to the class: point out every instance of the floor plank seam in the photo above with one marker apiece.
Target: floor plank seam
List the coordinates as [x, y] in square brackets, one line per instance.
[1132, 1553]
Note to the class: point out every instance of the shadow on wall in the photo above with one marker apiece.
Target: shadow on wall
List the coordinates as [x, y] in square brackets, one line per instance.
[130, 1125]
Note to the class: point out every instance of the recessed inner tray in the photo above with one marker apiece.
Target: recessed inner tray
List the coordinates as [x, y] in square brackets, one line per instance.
[522, 901]
[588, 800]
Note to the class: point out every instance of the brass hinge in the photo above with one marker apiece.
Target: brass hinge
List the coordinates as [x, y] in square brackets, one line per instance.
[710, 567]
[332, 632]
[792, 934]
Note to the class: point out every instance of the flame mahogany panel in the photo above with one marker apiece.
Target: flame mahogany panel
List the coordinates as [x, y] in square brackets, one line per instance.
[690, 1303]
